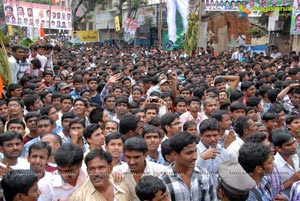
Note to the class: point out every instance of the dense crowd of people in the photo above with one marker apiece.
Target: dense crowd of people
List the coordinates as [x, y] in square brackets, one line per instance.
[101, 123]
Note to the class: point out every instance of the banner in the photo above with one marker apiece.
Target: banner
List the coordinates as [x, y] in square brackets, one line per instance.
[88, 36]
[28, 14]
[117, 23]
[130, 29]
[233, 5]
[295, 20]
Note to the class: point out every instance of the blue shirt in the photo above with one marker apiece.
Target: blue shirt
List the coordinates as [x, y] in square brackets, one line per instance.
[160, 159]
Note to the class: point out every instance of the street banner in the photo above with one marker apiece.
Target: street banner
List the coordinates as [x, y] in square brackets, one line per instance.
[88, 36]
[117, 24]
[130, 30]
[28, 14]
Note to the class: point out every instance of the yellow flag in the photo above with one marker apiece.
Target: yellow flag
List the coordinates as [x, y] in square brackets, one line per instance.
[10, 30]
[117, 23]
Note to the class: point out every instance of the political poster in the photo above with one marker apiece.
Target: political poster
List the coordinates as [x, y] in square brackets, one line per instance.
[130, 27]
[295, 19]
[26, 14]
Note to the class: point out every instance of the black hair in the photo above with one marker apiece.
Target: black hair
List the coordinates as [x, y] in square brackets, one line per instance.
[96, 115]
[38, 146]
[98, 153]
[181, 140]
[18, 181]
[279, 137]
[218, 114]
[114, 136]
[167, 119]
[68, 155]
[257, 137]
[88, 131]
[150, 129]
[252, 155]
[209, 124]
[240, 124]
[10, 135]
[128, 123]
[148, 186]
[135, 143]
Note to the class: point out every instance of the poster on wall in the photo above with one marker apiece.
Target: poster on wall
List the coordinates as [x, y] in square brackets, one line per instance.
[26, 14]
[295, 19]
[148, 11]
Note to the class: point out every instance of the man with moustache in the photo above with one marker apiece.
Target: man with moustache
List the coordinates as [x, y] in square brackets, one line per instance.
[99, 186]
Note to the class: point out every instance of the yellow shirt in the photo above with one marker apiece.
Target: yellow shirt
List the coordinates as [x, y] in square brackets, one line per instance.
[88, 192]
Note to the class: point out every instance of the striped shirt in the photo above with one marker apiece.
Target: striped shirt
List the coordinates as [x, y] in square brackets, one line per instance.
[295, 191]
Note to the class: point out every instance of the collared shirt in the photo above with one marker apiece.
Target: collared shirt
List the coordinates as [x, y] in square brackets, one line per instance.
[234, 147]
[264, 191]
[55, 188]
[160, 159]
[286, 171]
[74, 94]
[88, 192]
[276, 183]
[211, 165]
[24, 65]
[27, 145]
[295, 191]
[151, 168]
[188, 117]
[201, 187]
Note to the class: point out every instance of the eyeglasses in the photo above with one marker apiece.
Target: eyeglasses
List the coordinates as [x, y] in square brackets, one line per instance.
[13, 105]
[176, 123]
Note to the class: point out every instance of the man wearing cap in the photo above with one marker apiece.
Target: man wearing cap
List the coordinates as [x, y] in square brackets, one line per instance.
[239, 54]
[234, 182]
[63, 88]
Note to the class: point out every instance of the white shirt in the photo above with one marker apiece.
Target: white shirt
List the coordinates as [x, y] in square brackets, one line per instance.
[234, 147]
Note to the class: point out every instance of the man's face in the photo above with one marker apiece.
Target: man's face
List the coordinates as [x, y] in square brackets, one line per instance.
[210, 107]
[17, 92]
[47, 99]
[294, 126]
[48, 78]
[56, 103]
[44, 126]
[69, 173]
[210, 138]
[78, 86]
[187, 157]
[135, 160]
[29, 12]
[38, 159]
[181, 107]
[237, 113]
[12, 149]
[153, 141]
[33, 193]
[268, 165]
[271, 124]
[97, 138]
[136, 95]
[295, 99]
[225, 122]
[194, 106]
[142, 117]
[77, 128]
[110, 103]
[288, 148]
[250, 91]
[99, 171]
[185, 94]
[115, 147]
[52, 142]
[150, 113]
[66, 105]
[117, 92]
[19, 54]
[16, 127]
[14, 109]
[66, 124]
[174, 127]
[221, 86]
[4, 110]
[79, 108]
[122, 108]
[93, 85]
[298, 21]
[110, 127]
[251, 126]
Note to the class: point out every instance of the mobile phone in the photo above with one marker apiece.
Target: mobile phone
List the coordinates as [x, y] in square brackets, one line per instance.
[154, 100]
[226, 132]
